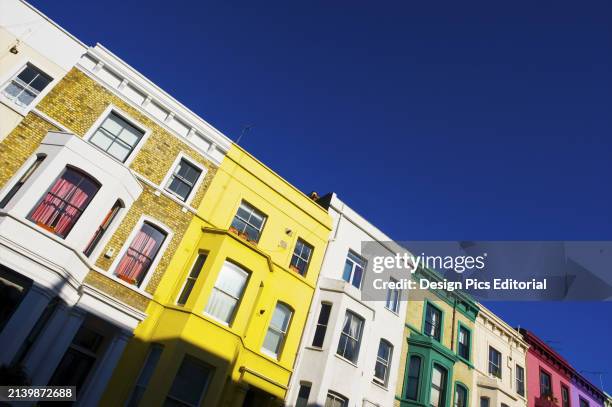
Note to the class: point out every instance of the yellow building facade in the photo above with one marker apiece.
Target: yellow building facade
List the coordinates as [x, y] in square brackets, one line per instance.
[226, 320]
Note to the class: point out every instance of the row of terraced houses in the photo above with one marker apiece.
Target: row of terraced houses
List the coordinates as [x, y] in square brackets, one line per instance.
[147, 259]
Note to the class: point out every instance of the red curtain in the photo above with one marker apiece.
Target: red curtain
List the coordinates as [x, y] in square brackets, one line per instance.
[139, 256]
[65, 201]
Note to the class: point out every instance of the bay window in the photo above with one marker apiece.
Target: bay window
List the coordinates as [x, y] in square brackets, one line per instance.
[438, 387]
[350, 337]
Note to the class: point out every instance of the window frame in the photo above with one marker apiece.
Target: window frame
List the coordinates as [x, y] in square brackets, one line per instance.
[201, 255]
[303, 384]
[152, 348]
[284, 334]
[354, 264]
[112, 219]
[299, 256]
[541, 373]
[128, 118]
[443, 385]
[458, 385]
[238, 300]
[338, 397]
[517, 381]
[253, 210]
[387, 363]
[461, 326]
[487, 399]
[582, 402]
[126, 244]
[490, 363]
[203, 392]
[13, 75]
[410, 376]
[567, 391]
[397, 300]
[428, 304]
[319, 324]
[358, 340]
[196, 186]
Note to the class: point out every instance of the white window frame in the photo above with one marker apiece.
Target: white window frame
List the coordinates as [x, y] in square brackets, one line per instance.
[396, 304]
[238, 299]
[97, 251]
[387, 363]
[284, 333]
[307, 261]
[196, 185]
[126, 245]
[23, 63]
[110, 109]
[337, 397]
[254, 209]
[365, 267]
[358, 340]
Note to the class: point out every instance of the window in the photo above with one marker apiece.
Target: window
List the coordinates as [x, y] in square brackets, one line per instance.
[484, 402]
[248, 222]
[303, 394]
[520, 380]
[414, 373]
[504, 405]
[438, 387]
[353, 269]
[464, 338]
[22, 180]
[545, 384]
[583, 402]
[494, 362]
[190, 383]
[319, 336]
[433, 322]
[26, 85]
[183, 179]
[141, 253]
[191, 279]
[565, 396]
[145, 375]
[108, 220]
[63, 204]
[461, 396]
[383, 362]
[301, 257]
[350, 338]
[226, 293]
[78, 360]
[393, 297]
[117, 137]
[335, 400]
[277, 331]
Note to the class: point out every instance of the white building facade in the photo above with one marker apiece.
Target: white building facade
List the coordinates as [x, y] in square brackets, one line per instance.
[500, 366]
[350, 350]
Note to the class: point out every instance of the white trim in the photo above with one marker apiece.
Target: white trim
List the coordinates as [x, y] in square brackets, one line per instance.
[114, 109]
[158, 256]
[6, 79]
[196, 185]
[19, 173]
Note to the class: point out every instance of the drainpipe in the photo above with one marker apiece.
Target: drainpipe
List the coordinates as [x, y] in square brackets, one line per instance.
[453, 327]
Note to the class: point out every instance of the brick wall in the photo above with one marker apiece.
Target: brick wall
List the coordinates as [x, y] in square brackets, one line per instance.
[76, 102]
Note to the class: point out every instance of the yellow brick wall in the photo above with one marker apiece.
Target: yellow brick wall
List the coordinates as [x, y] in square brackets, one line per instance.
[76, 102]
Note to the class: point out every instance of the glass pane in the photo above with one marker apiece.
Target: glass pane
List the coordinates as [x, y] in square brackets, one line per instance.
[231, 279]
[113, 124]
[280, 319]
[324, 314]
[13, 89]
[357, 276]
[272, 341]
[40, 82]
[348, 270]
[244, 212]
[101, 140]
[119, 151]
[190, 381]
[28, 74]
[383, 351]
[380, 371]
[319, 336]
[26, 97]
[221, 306]
[130, 136]
[256, 220]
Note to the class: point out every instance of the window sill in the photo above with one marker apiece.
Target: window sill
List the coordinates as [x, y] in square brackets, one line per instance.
[379, 384]
[396, 313]
[315, 348]
[132, 287]
[346, 360]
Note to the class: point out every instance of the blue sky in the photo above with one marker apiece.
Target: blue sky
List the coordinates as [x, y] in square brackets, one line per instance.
[436, 120]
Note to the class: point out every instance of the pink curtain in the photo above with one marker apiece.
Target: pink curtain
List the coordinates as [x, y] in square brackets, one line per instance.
[64, 202]
[138, 257]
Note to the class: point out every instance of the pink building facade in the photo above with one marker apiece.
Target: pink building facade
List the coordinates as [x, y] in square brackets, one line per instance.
[553, 382]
